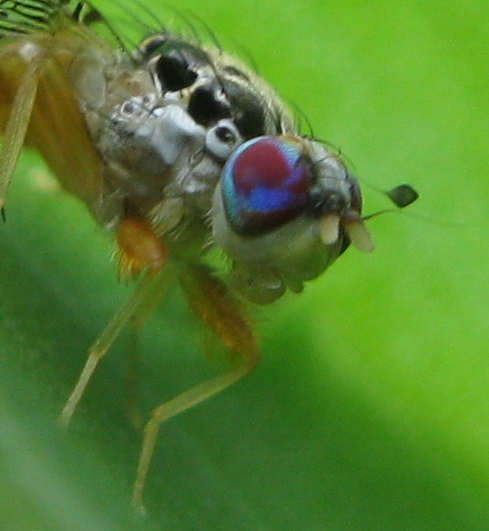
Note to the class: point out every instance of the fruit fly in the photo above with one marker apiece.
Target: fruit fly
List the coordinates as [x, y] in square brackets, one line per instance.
[185, 154]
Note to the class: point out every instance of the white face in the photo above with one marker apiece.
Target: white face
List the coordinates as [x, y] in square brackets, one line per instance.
[284, 210]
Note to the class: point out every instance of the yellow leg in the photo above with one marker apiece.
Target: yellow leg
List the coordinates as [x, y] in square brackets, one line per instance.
[150, 286]
[141, 315]
[16, 128]
[223, 314]
[173, 407]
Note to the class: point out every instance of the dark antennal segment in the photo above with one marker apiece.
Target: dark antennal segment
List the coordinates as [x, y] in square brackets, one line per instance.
[402, 195]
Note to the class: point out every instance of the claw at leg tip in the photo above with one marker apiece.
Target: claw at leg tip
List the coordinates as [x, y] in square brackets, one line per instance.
[139, 507]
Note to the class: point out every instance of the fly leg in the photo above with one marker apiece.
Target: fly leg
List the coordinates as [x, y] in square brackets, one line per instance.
[149, 286]
[142, 314]
[223, 314]
[140, 249]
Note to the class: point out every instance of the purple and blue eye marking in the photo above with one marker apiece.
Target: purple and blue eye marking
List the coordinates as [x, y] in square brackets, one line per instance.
[265, 184]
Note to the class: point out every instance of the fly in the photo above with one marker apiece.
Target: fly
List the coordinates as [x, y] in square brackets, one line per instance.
[182, 152]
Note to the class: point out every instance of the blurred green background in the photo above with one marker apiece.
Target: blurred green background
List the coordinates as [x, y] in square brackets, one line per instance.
[370, 409]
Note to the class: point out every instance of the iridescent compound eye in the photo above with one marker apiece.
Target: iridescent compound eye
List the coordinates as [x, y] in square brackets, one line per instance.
[265, 184]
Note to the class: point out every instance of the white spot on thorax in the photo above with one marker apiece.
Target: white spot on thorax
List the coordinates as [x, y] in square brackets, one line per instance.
[29, 51]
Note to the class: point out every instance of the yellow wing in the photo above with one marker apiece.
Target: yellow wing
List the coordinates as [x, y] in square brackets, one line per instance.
[38, 105]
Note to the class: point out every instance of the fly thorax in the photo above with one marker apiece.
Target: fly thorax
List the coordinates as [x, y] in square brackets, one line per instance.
[166, 119]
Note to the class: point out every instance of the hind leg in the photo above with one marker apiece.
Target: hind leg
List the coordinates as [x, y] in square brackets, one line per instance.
[224, 315]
